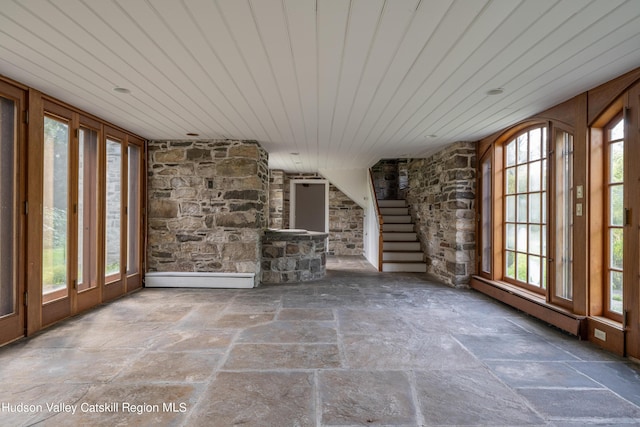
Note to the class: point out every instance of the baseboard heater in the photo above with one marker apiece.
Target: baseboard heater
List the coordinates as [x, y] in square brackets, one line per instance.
[199, 280]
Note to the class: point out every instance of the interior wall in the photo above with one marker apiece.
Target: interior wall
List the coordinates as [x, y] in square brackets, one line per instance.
[208, 205]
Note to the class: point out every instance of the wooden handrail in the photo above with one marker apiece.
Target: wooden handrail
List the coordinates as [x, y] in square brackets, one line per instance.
[380, 221]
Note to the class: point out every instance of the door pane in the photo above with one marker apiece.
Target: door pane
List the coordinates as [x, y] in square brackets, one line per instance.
[8, 280]
[564, 216]
[87, 208]
[55, 209]
[133, 223]
[113, 207]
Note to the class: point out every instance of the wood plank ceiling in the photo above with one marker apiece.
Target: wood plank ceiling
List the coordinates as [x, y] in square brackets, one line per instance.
[342, 83]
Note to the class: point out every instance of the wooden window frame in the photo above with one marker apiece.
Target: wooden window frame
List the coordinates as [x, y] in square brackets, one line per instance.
[555, 133]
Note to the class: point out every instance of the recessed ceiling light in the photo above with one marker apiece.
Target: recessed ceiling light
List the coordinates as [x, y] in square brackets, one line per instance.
[121, 90]
[431, 136]
[193, 134]
[496, 91]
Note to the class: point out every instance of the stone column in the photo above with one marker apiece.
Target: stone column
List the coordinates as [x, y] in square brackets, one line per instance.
[208, 206]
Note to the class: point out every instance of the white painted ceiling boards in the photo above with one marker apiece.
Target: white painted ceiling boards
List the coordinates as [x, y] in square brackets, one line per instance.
[341, 82]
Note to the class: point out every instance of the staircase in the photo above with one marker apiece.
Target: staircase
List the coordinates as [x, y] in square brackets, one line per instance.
[401, 248]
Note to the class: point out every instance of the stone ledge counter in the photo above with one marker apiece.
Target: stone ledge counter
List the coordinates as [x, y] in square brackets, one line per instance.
[293, 256]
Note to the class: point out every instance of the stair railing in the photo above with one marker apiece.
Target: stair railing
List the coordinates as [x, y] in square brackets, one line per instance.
[380, 221]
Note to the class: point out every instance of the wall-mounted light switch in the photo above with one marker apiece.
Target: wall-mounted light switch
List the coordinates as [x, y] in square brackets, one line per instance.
[579, 191]
[578, 209]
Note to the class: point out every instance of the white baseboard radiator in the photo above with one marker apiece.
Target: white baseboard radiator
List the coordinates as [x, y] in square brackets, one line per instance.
[169, 279]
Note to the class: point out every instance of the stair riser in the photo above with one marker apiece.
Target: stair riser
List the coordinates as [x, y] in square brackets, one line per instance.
[392, 203]
[402, 256]
[401, 246]
[394, 211]
[399, 237]
[396, 219]
[402, 267]
[406, 228]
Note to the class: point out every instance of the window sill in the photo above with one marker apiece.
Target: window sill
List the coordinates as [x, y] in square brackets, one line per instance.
[532, 304]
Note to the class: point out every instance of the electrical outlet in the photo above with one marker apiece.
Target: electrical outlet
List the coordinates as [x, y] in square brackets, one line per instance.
[578, 209]
[601, 335]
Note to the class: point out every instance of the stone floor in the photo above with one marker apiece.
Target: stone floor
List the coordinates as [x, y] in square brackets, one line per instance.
[357, 348]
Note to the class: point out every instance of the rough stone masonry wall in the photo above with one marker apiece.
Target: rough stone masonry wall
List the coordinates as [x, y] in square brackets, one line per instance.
[276, 199]
[442, 196]
[207, 205]
[346, 218]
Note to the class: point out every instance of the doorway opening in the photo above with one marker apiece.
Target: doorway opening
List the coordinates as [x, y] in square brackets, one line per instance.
[309, 207]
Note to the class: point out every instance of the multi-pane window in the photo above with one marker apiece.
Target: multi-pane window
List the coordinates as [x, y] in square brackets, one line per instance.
[614, 214]
[525, 227]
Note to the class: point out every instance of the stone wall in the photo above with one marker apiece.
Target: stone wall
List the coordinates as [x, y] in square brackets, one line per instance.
[208, 204]
[385, 179]
[293, 257]
[442, 196]
[346, 229]
[276, 199]
[346, 218]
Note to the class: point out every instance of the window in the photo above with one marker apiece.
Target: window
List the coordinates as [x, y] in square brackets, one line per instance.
[614, 215]
[525, 226]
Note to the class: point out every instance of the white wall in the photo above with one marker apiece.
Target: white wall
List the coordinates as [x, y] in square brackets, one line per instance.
[356, 183]
[352, 182]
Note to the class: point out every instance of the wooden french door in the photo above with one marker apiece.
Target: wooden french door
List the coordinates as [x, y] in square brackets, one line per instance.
[12, 199]
[70, 235]
[631, 298]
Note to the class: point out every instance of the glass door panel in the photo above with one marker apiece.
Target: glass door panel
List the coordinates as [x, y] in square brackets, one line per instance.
[8, 282]
[87, 208]
[133, 211]
[55, 283]
[113, 211]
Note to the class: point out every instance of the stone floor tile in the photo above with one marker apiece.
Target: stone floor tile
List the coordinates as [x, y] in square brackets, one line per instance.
[366, 398]
[435, 351]
[513, 347]
[589, 404]
[540, 374]
[196, 340]
[65, 365]
[290, 332]
[305, 314]
[35, 398]
[283, 356]
[470, 397]
[171, 366]
[623, 377]
[378, 321]
[257, 399]
[241, 320]
[138, 405]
